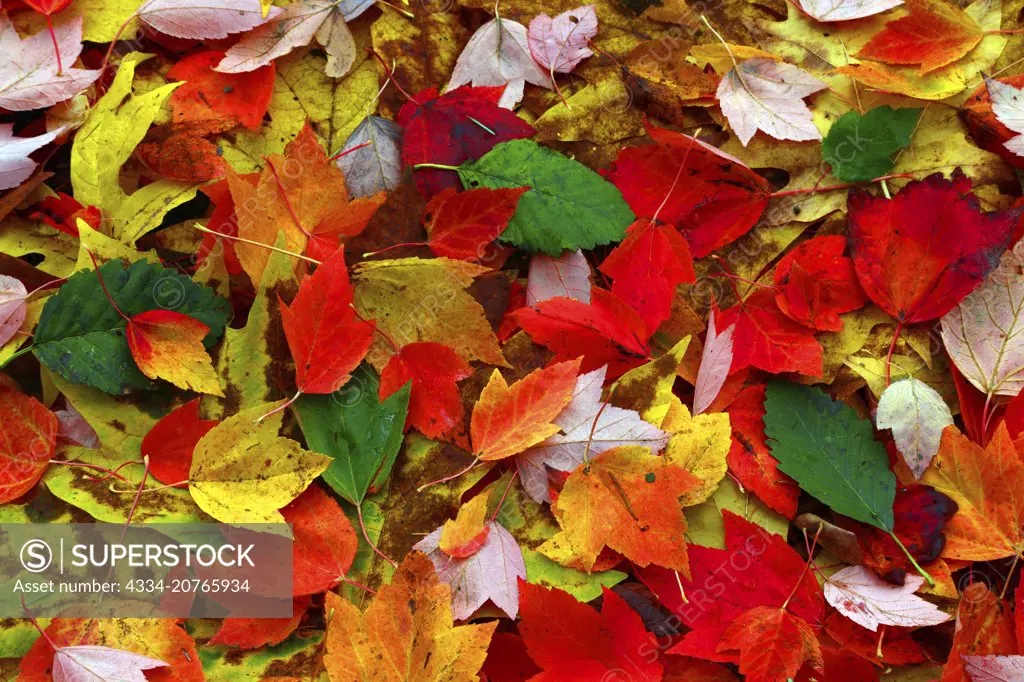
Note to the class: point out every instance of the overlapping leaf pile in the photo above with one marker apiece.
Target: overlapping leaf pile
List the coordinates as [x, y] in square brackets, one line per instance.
[613, 342]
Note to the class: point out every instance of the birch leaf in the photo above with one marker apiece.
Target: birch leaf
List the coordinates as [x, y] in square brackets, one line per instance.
[714, 365]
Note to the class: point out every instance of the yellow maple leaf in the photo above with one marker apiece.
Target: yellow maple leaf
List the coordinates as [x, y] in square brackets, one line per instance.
[243, 472]
[406, 634]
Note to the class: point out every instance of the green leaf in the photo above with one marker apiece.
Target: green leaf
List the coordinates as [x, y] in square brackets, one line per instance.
[81, 336]
[569, 206]
[831, 452]
[358, 431]
[861, 147]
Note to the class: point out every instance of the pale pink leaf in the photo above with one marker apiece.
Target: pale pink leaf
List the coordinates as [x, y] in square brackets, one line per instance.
[204, 20]
[560, 44]
[100, 664]
[73, 429]
[13, 307]
[763, 94]
[28, 70]
[295, 27]
[568, 276]
[588, 427]
[984, 333]
[994, 668]
[498, 54]
[867, 600]
[1008, 107]
[917, 415]
[15, 164]
[714, 365]
[845, 10]
[492, 573]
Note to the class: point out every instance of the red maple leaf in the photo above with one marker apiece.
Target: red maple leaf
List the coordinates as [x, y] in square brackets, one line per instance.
[767, 339]
[435, 405]
[816, 283]
[169, 444]
[918, 254]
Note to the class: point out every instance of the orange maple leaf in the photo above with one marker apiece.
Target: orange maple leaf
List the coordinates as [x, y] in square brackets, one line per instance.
[628, 500]
[988, 486]
[509, 419]
[773, 644]
[934, 34]
[168, 345]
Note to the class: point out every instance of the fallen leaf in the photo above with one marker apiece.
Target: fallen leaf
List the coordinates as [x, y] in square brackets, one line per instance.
[567, 275]
[377, 166]
[917, 415]
[932, 34]
[1006, 105]
[560, 44]
[323, 542]
[845, 10]
[243, 472]
[326, 336]
[569, 640]
[984, 332]
[763, 94]
[942, 230]
[217, 19]
[13, 308]
[587, 426]
[773, 644]
[73, 663]
[463, 225]
[868, 600]
[993, 668]
[408, 623]
[294, 26]
[860, 147]
[15, 164]
[29, 441]
[816, 284]
[715, 362]
[766, 338]
[498, 55]
[509, 419]
[169, 345]
[434, 370]
[640, 515]
[30, 78]
[171, 441]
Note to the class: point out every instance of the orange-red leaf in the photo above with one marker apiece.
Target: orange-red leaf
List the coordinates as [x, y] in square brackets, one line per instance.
[326, 337]
[169, 345]
[253, 633]
[984, 627]
[28, 438]
[918, 254]
[169, 444]
[509, 419]
[767, 339]
[773, 644]
[462, 225]
[816, 282]
[325, 542]
[934, 34]
[229, 98]
[435, 405]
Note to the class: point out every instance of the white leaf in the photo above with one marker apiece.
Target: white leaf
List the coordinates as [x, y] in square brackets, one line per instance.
[72, 428]
[497, 54]
[867, 600]
[1008, 106]
[295, 27]
[28, 70]
[15, 164]
[917, 414]
[13, 308]
[100, 664]
[994, 668]
[560, 44]
[984, 333]
[378, 165]
[715, 362]
[587, 426]
[493, 572]
[844, 10]
[203, 20]
[568, 275]
[763, 94]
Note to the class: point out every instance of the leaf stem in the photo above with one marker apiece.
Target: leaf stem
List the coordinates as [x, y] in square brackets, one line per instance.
[476, 460]
[393, 247]
[440, 166]
[810, 560]
[17, 354]
[56, 48]
[255, 243]
[366, 536]
[924, 574]
[103, 285]
[888, 358]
